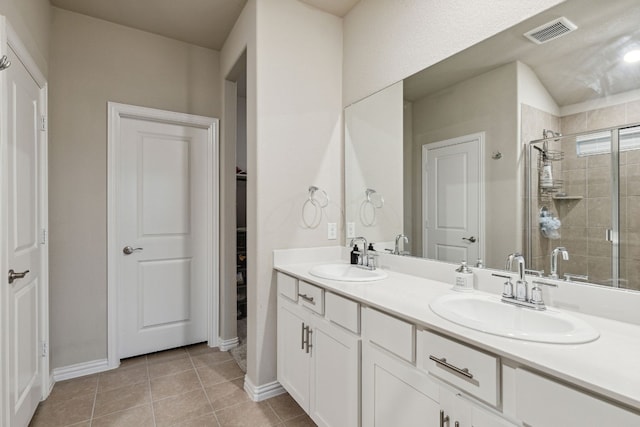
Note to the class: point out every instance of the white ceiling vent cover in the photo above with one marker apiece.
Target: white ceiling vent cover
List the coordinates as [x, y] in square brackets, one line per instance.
[551, 30]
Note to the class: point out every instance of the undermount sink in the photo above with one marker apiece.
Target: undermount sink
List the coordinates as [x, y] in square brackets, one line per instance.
[487, 313]
[347, 273]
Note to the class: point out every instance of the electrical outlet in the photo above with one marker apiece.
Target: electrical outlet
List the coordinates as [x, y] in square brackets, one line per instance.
[351, 230]
[332, 231]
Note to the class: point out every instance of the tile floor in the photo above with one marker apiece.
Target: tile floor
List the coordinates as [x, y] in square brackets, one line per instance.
[189, 386]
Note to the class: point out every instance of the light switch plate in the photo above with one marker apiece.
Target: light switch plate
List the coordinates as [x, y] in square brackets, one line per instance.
[351, 230]
[332, 231]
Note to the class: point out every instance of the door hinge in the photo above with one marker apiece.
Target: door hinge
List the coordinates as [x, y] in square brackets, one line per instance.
[43, 238]
[44, 349]
[43, 123]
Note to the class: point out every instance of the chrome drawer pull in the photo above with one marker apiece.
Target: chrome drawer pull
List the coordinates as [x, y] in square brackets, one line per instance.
[464, 372]
[307, 298]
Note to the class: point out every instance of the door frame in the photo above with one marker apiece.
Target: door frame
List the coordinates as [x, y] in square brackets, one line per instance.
[116, 112]
[480, 137]
[9, 39]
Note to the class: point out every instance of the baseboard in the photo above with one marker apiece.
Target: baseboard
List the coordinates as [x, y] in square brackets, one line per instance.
[263, 392]
[226, 345]
[80, 370]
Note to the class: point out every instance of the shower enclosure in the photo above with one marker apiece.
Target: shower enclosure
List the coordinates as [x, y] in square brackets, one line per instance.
[583, 194]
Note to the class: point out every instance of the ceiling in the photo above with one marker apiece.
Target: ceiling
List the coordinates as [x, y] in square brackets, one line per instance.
[205, 23]
[579, 66]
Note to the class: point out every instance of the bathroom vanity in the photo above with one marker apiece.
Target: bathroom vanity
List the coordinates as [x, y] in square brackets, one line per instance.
[375, 354]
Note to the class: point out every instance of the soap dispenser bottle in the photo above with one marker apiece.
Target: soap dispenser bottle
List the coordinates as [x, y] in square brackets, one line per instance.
[464, 278]
[354, 255]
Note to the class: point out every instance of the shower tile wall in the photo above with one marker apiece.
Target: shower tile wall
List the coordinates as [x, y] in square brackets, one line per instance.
[584, 221]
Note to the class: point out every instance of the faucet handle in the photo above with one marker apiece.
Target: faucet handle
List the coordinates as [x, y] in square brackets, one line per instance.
[507, 289]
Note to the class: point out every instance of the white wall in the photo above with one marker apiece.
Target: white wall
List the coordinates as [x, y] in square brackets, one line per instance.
[93, 62]
[373, 159]
[294, 128]
[299, 133]
[386, 41]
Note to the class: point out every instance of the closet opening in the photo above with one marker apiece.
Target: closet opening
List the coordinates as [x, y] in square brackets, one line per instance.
[235, 207]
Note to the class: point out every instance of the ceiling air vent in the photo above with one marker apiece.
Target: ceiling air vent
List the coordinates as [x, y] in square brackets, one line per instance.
[550, 31]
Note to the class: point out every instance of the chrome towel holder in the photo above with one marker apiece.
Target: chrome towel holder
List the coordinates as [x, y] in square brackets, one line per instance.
[319, 199]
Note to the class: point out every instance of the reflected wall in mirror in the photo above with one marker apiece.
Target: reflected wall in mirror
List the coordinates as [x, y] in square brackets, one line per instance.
[509, 90]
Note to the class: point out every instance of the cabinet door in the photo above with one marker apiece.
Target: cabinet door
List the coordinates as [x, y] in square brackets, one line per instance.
[543, 402]
[335, 360]
[395, 393]
[293, 359]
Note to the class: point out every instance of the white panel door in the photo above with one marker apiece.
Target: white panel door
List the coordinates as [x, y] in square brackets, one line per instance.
[24, 250]
[451, 195]
[162, 217]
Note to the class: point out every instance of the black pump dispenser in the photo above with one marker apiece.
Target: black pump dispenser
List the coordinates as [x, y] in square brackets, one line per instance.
[354, 255]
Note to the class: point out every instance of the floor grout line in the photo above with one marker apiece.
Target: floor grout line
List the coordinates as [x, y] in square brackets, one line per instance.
[203, 389]
[95, 398]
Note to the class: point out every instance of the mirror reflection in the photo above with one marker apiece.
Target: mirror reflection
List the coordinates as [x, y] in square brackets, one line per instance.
[452, 150]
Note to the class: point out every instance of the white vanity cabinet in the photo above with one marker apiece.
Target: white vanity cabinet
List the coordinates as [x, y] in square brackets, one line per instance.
[318, 352]
[394, 392]
[544, 402]
[359, 361]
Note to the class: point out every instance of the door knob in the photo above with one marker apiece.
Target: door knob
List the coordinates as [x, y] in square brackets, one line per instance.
[13, 276]
[128, 250]
[471, 239]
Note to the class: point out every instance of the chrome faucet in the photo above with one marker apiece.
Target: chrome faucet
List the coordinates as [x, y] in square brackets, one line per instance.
[364, 259]
[521, 295]
[399, 237]
[554, 260]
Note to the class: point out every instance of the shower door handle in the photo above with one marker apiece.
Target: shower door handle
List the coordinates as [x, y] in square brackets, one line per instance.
[609, 235]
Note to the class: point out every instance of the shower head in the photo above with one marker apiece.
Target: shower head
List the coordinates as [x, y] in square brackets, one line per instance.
[548, 133]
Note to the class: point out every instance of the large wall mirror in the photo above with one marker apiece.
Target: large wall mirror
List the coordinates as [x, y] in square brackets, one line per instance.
[492, 151]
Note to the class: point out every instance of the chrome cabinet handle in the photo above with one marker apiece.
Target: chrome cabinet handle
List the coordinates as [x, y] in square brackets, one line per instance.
[13, 276]
[464, 371]
[128, 250]
[471, 239]
[307, 298]
[309, 345]
[443, 418]
[306, 339]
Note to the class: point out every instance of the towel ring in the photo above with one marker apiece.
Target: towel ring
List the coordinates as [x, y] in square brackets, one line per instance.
[319, 199]
[368, 208]
[374, 198]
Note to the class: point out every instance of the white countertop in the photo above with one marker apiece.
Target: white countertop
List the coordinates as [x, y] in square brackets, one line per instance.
[607, 366]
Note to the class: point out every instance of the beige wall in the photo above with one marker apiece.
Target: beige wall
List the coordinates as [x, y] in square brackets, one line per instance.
[31, 21]
[92, 62]
[463, 110]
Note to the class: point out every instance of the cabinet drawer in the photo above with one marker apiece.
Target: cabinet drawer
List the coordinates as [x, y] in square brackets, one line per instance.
[288, 286]
[311, 296]
[342, 311]
[466, 368]
[544, 402]
[394, 335]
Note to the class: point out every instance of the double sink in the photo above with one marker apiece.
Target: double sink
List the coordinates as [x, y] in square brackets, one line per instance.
[483, 312]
